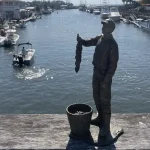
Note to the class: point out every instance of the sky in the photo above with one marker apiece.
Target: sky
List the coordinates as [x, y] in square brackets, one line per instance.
[77, 2]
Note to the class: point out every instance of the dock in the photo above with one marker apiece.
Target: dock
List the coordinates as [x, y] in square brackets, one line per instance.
[50, 131]
[26, 20]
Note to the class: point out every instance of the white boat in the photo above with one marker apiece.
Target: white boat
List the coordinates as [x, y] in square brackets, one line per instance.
[33, 18]
[22, 24]
[126, 21]
[96, 12]
[47, 11]
[25, 56]
[2, 39]
[39, 17]
[12, 38]
[4, 26]
[114, 14]
[105, 13]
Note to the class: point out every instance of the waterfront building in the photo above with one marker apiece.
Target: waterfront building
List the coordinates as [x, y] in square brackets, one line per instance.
[10, 9]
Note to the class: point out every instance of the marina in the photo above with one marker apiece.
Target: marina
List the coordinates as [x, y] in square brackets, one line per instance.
[47, 80]
[55, 46]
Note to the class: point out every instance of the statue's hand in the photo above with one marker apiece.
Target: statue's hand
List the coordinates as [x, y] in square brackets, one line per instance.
[79, 39]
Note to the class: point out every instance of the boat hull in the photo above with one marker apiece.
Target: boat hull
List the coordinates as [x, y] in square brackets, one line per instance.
[28, 59]
[96, 13]
[115, 18]
[11, 41]
[114, 14]
[2, 39]
[105, 15]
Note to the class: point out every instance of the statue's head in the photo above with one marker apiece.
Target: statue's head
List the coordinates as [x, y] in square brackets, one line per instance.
[108, 26]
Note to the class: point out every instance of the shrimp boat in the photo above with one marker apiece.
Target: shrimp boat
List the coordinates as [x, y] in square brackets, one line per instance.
[24, 57]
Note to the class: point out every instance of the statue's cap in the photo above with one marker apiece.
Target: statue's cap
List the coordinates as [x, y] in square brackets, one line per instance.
[109, 23]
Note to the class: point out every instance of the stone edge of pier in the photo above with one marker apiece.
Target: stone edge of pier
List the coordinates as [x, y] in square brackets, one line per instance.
[50, 131]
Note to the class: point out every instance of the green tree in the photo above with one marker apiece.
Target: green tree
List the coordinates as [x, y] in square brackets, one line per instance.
[45, 6]
[124, 1]
[145, 1]
[37, 8]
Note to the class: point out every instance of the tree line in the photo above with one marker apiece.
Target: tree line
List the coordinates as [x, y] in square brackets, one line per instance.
[145, 1]
[135, 2]
[48, 4]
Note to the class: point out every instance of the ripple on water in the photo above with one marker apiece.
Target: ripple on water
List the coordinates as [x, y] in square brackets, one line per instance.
[30, 73]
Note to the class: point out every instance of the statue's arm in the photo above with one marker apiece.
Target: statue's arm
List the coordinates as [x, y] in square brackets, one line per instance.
[113, 60]
[90, 42]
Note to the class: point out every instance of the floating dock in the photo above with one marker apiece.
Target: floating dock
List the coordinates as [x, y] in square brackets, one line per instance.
[50, 131]
[136, 24]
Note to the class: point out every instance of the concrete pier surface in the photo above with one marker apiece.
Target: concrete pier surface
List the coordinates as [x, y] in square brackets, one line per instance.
[50, 131]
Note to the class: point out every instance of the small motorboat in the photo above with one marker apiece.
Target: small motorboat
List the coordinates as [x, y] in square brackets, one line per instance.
[105, 12]
[4, 26]
[12, 38]
[25, 57]
[33, 18]
[3, 37]
[39, 17]
[96, 11]
[114, 14]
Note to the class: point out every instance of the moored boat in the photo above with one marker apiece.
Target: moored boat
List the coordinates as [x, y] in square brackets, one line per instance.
[114, 14]
[96, 12]
[105, 12]
[12, 38]
[22, 24]
[33, 18]
[3, 37]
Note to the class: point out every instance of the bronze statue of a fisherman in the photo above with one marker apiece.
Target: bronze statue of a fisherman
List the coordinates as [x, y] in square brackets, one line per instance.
[105, 61]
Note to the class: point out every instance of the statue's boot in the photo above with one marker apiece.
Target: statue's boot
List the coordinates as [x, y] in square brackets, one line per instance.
[105, 138]
[106, 125]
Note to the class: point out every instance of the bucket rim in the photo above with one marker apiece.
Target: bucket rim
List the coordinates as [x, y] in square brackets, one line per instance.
[79, 104]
